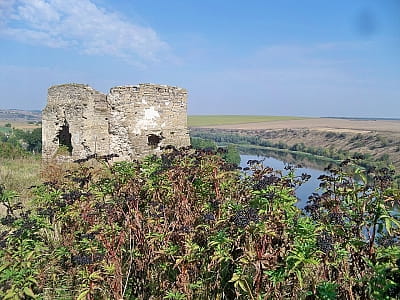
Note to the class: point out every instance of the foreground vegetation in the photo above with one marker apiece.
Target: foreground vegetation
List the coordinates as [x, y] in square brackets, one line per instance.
[188, 225]
[211, 120]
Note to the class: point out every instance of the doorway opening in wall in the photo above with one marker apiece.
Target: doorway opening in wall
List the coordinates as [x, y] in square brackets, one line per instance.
[64, 140]
[154, 140]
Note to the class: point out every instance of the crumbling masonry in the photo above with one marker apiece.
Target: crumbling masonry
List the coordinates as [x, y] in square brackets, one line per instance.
[131, 121]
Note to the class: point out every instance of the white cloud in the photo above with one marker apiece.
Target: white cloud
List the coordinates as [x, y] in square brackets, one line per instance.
[78, 24]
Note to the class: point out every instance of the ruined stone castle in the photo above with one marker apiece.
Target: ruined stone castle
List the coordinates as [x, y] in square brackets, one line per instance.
[130, 121]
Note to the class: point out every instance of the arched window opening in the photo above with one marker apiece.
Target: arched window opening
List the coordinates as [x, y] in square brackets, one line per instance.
[64, 138]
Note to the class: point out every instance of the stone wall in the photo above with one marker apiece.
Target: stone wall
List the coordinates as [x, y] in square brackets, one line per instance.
[131, 121]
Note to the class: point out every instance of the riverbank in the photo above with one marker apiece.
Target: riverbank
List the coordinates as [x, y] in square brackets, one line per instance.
[379, 140]
[376, 147]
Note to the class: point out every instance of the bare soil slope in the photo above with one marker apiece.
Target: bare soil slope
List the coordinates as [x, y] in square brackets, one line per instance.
[323, 124]
[377, 137]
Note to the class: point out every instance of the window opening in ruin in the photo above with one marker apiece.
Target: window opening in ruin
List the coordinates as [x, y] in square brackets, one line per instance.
[64, 138]
[153, 140]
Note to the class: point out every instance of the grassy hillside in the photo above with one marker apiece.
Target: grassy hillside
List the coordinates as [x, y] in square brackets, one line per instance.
[210, 120]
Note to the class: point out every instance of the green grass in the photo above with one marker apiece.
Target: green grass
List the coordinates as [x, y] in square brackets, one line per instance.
[19, 174]
[5, 129]
[210, 120]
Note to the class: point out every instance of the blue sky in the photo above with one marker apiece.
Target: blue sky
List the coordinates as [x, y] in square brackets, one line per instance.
[260, 57]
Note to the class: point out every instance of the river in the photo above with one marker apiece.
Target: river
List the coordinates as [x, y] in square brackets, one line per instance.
[302, 192]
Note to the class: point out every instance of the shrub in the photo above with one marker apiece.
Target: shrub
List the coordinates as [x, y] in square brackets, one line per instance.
[187, 225]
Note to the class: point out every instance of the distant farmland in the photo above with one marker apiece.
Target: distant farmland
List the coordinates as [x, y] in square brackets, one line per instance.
[211, 120]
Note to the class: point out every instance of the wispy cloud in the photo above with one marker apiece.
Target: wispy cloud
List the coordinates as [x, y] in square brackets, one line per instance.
[78, 24]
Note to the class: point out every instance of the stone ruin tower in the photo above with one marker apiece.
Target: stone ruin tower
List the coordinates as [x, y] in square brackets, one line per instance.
[131, 121]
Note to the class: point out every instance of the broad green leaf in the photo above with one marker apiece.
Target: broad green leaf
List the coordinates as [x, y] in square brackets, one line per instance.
[82, 295]
[10, 294]
[95, 275]
[242, 284]
[388, 225]
[28, 291]
[235, 277]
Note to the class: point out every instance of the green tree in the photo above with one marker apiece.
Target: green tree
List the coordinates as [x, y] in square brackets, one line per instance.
[200, 143]
[232, 155]
[34, 140]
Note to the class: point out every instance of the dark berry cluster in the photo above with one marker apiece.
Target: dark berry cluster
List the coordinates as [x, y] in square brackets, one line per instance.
[228, 167]
[345, 162]
[82, 180]
[358, 156]
[253, 162]
[261, 184]
[49, 212]
[86, 259]
[383, 179]
[207, 151]
[7, 220]
[82, 259]
[336, 218]
[313, 205]
[243, 217]
[265, 182]
[221, 150]
[88, 236]
[167, 160]
[289, 167]
[209, 217]
[325, 242]
[28, 228]
[387, 241]
[52, 184]
[3, 239]
[72, 196]
[332, 169]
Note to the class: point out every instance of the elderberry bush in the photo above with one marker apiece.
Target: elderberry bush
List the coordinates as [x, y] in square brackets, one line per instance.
[325, 242]
[243, 217]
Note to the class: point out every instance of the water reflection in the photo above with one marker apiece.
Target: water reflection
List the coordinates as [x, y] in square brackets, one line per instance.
[278, 163]
[309, 161]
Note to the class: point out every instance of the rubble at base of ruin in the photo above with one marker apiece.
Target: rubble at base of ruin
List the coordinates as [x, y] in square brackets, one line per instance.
[130, 121]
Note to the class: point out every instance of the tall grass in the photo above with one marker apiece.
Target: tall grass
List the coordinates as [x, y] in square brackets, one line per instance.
[20, 174]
